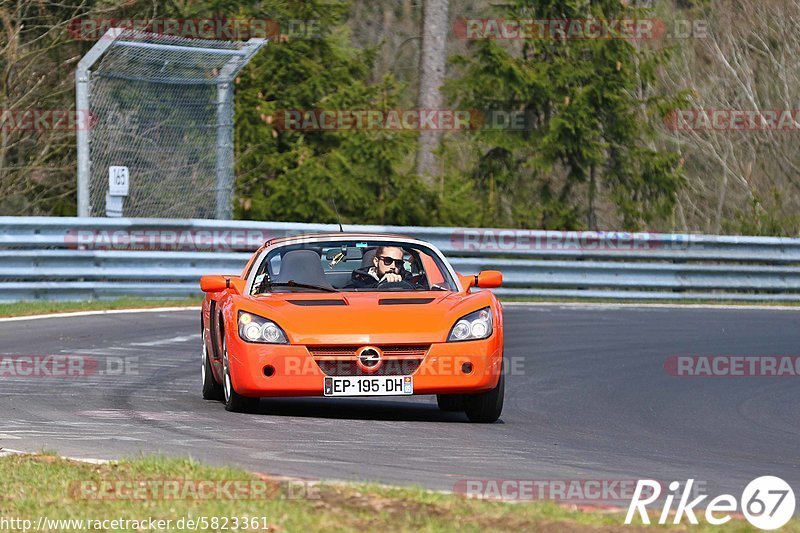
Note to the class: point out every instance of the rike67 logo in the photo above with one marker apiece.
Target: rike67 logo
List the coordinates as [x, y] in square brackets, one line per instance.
[768, 503]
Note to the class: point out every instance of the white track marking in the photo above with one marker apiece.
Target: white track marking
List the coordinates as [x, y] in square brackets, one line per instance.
[173, 340]
[601, 306]
[4, 452]
[103, 351]
[93, 313]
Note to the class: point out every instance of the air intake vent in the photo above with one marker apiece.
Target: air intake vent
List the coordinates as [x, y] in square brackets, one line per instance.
[396, 367]
[347, 352]
[405, 301]
[317, 303]
[398, 360]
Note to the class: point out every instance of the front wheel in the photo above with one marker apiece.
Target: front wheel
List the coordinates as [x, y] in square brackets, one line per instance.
[486, 407]
[211, 389]
[450, 402]
[234, 401]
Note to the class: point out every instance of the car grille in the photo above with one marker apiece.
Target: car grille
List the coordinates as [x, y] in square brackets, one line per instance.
[398, 360]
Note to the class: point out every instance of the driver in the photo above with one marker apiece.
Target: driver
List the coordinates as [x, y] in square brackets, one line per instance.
[387, 267]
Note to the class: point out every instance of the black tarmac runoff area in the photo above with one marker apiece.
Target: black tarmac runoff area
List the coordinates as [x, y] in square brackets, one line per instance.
[591, 394]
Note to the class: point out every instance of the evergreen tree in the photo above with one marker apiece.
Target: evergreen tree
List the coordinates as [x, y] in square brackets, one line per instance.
[589, 112]
[285, 174]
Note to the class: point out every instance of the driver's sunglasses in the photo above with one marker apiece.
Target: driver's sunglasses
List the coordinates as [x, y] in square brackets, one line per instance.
[389, 260]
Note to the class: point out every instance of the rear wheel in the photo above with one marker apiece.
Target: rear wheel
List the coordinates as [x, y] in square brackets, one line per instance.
[486, 407]
[211, 389]
[450, 402]
[233, 400]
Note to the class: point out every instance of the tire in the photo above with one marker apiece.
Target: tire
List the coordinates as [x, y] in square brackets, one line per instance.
[234, 401]
[450, 402]
[211, 389]
[486, 407]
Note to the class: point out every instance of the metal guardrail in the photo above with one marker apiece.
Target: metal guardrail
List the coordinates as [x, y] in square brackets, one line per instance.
[83, 258]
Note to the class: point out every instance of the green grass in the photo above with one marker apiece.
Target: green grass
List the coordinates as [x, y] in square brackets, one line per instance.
[46, 485]
[44, 307]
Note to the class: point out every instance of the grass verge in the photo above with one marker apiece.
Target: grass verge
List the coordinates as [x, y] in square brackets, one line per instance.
[34, 486]
[45, 307]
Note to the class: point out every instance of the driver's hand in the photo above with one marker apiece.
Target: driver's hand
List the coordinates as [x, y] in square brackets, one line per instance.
[391, 278]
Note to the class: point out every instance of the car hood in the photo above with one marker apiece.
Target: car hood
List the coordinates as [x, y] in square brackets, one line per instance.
[365, 318]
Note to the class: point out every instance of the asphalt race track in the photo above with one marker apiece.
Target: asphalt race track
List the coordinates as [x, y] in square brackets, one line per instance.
[588, 398]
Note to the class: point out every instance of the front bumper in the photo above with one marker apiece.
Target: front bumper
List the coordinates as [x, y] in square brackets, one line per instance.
[294, 372]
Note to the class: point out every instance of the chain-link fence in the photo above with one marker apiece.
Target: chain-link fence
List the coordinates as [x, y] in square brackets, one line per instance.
[162, 107]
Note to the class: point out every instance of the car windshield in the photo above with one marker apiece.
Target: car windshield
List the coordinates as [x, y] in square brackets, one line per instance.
[352, 266]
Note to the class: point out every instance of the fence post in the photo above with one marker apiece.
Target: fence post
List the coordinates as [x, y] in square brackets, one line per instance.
[84, 119]
[224, 168]
[225, 118]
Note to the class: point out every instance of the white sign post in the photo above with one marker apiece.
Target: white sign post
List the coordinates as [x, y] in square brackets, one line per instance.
[118, 187]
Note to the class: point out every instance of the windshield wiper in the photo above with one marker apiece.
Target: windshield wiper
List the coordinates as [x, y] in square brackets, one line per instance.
[293, 283]
[435, 287]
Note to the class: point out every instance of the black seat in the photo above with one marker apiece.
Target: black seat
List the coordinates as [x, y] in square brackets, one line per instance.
[366, 259]
[302, 266]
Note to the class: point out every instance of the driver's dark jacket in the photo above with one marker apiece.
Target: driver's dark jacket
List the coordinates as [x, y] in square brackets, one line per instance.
[362, 279]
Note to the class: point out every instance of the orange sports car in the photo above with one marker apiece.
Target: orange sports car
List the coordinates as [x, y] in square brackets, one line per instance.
[350, 314]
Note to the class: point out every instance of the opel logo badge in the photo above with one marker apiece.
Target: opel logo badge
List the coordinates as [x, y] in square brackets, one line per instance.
[369, 358]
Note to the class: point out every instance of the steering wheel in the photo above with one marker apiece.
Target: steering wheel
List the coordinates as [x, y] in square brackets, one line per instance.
[416, 278]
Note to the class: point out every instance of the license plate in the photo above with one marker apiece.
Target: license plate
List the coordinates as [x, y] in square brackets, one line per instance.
[369, 386]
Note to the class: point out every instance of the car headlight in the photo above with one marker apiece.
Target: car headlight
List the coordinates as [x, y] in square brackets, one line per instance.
[474, 326]
[254, 328]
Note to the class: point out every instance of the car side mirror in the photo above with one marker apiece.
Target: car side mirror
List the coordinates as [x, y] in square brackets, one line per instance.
[238, 284]
[466, 281]
[218, 283]
[489, 279]
[214, 283]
